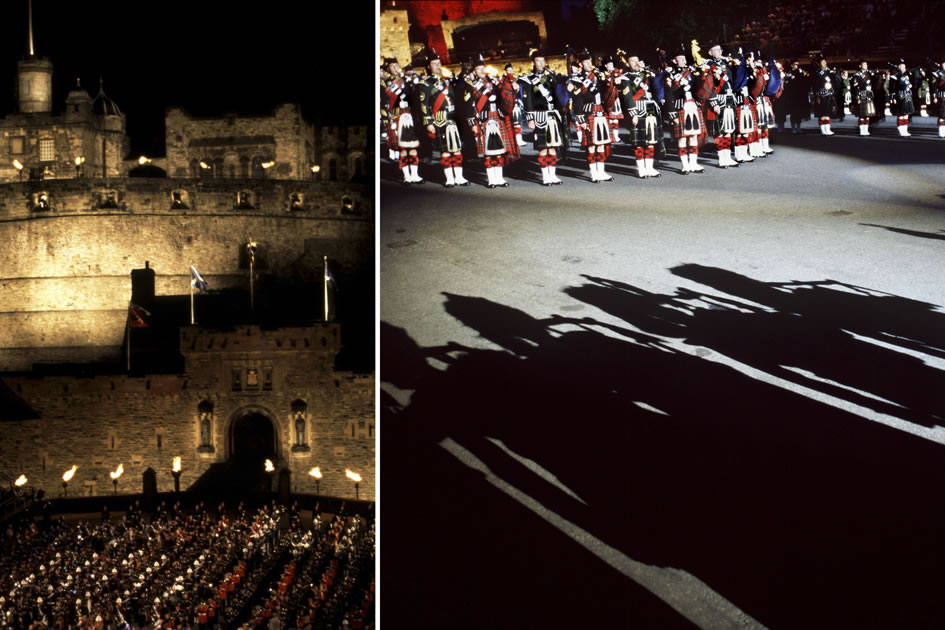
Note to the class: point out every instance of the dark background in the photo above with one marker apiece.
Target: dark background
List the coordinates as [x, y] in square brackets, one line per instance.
[208, 57]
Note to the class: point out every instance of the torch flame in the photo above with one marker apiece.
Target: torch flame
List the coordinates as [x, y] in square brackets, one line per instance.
[177, 464]
[144, 160]
[269, 164]
[315, 472]
[79, 160]
[269, 466]
[20, 480]
[18, 165]
[67, 476]
[353, 476]
[118, 471]
[491, 71]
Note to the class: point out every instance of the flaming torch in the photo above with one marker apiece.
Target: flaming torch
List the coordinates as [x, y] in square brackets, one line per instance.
[66, 478]
[115, 475]
[356, 478]
[269, 470]
[176, 472]
[315, 472]
[20, 481]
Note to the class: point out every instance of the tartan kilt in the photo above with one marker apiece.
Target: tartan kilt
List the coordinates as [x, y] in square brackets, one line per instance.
[506, 133]
[825, 106]
[638, 131]
[765, 113]
[439, 140]
[938, 109]
[866, 108]
[541, 134]
[587, 136]
[392, 132]
[680, 122]
[903, 106]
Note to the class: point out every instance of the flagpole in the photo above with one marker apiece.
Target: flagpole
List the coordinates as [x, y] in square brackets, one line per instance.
[325, 286]
[128, 341]
[251, 274]
[191, 295]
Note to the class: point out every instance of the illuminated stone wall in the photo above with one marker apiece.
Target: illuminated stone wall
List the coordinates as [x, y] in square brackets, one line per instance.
[72, 139]
[284, 137]
[98, 422]
[65, 278]
[393, 28]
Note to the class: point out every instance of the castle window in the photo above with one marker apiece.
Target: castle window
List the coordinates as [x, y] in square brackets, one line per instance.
[236, 382]
[258, 171]
[47, 150]
[357, 167]
[244, 167]
[333, 170]
[25, 87]
[194, 168]
[218, 167]
[267, 379]
[16, 145]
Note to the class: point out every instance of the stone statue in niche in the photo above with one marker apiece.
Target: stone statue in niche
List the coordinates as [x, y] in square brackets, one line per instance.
[204, 429]
[205, 417]
[42, 202]
[295, 202]
[177, 202]
[299, 430]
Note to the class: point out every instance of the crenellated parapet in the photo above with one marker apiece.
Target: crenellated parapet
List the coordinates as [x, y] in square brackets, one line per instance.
[251, 197]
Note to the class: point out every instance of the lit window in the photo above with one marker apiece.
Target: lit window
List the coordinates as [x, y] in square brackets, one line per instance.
[25, 87]
[47, 150]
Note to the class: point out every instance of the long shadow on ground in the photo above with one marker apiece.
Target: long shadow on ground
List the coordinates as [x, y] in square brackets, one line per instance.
[797, 512]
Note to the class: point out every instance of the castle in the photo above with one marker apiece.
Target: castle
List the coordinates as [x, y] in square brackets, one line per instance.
[80, 219]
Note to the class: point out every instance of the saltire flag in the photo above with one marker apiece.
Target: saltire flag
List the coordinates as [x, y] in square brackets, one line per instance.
[136, 315]
[197, 281]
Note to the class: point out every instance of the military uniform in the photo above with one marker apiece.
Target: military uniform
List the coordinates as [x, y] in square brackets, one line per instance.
[900, 92]
[823, 86]
[545, 114]
[861, 90]
[636, 92]
[717, 92]
[588, 100]
[688, 121]
[492, 124]
[438, 109]
[401, 134]
[937, 90]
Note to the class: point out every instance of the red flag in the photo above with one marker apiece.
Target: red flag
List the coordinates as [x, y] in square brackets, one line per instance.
[136, 315]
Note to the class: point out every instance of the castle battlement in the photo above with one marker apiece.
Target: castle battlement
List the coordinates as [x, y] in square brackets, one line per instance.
[246, 340]
[182, 196]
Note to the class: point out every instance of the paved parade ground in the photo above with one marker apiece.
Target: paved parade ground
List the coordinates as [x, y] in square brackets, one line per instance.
[714, 400]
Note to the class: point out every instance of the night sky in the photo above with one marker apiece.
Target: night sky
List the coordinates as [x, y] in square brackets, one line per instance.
[208, 57]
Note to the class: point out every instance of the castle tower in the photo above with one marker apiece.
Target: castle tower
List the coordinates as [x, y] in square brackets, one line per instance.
[78, 104]
[34, 80]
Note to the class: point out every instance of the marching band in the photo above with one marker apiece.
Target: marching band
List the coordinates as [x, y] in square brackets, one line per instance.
[732, 100]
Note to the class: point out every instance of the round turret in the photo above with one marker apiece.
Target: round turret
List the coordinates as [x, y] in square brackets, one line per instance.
[78, 103]
[34, 85]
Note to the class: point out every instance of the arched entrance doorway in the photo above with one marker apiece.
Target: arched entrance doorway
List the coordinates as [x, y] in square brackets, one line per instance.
[252, 441]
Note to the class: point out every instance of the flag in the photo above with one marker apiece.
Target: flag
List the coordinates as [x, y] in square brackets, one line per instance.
[330, 279]
[136, 315]
[197, 281]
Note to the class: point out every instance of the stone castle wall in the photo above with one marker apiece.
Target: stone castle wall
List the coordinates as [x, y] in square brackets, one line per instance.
[65, 278]
[98, 422]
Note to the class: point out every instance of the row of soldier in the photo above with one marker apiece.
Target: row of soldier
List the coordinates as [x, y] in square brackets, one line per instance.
[178, 570]
[734, 99]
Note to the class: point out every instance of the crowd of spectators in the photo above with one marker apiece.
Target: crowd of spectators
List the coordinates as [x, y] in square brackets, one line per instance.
[200, 569]
[834, 27]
